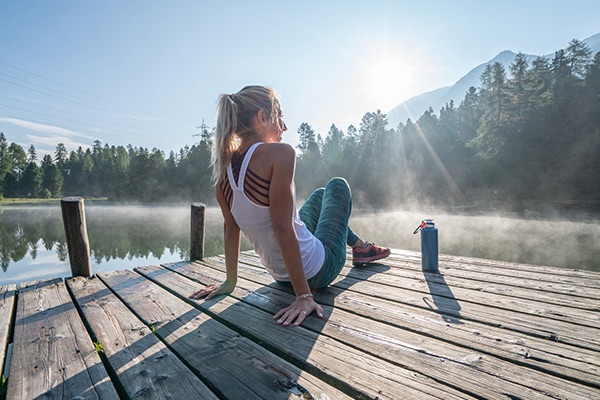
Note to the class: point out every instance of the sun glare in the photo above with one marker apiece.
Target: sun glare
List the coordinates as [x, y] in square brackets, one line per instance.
[389, 80]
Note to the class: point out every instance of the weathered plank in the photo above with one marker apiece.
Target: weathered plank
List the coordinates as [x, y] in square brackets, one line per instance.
[7, 304]
[443, 300]
[571, 295]
[353, 370]
[488, 377]
[541, 273]
[53, 356]
[235, 366]
[502, 298]
[573, 283]
[144, 366]
[557, 359]
[479, 329]
[529, 318]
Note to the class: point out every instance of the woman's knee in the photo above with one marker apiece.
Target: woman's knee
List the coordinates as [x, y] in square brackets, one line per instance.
[316, 197]
[318, 192]
[338, 183]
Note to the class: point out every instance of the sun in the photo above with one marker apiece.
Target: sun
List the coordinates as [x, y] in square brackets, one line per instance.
[389, 80]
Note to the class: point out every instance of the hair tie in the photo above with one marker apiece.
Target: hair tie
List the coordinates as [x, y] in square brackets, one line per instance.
[232, 97]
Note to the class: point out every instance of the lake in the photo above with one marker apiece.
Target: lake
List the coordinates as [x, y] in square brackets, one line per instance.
[32, 239]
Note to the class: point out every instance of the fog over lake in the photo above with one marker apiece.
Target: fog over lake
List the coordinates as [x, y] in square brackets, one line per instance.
[32, 240]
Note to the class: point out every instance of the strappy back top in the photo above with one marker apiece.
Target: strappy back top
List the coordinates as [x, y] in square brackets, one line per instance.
[255, 222]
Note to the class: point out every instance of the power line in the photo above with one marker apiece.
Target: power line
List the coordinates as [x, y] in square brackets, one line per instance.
[53, 95]
[73, 102]
[146, 126]
[103, 121]
[89, 134]
[70, 87]
[71, 68]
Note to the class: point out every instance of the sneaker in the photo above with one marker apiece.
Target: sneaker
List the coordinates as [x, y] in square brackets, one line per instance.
[363, 255]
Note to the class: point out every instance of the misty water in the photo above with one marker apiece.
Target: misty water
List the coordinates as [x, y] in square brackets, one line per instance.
[32, 239]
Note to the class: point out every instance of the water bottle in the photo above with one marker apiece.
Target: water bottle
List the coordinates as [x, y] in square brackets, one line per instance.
[429, 245]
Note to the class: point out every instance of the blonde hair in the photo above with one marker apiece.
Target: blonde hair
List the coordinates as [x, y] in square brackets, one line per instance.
[234, 121]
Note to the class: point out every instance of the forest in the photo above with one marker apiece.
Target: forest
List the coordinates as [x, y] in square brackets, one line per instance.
[528, 137]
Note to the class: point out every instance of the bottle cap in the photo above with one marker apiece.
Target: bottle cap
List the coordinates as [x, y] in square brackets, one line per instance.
[429, 223]
[426, 223]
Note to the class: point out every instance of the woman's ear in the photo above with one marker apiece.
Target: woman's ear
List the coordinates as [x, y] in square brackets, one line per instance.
[263, 118]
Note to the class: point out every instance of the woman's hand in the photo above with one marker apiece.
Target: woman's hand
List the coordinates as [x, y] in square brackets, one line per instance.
[297, 312]
[212, 290]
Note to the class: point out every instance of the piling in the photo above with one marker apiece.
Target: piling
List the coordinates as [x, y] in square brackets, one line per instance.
[197, 232]
[73, 212]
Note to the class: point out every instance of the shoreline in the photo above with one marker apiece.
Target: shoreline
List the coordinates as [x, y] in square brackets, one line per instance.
[571, 212]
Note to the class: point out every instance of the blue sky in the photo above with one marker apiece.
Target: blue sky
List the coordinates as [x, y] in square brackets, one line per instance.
[147, 73]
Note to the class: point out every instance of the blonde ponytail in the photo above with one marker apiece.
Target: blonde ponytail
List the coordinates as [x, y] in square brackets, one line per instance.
[226, 141]
[234, 121]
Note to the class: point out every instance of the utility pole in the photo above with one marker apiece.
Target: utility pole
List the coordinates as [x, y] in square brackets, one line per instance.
[203, 132]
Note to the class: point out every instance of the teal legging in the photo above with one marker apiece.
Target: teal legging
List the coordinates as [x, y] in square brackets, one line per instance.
[326, 213]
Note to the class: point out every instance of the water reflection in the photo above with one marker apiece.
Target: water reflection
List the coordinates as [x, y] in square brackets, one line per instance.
[33, 244]
[32, 239]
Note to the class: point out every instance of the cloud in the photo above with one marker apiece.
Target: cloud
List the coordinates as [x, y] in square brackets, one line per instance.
[35, 126]
[53, 141]
[46, 144]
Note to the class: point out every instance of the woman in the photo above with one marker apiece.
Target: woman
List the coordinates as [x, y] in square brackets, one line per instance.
[254, 176]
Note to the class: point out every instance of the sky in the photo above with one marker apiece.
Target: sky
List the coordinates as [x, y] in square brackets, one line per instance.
[148, 73]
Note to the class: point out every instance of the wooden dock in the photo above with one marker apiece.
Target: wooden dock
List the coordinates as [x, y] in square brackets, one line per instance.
[480, 329]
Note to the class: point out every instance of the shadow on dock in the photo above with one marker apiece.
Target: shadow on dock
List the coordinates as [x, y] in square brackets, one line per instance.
[444, 301]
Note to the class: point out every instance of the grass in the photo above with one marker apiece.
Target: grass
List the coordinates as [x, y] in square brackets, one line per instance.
[3, 387]
[99, 347]
[25, 201]
[12, 201]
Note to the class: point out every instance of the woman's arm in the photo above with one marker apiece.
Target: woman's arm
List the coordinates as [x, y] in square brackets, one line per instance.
[281, 200]
[231, 232]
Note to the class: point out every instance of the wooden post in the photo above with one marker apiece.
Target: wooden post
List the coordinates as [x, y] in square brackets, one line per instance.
[78, 245]
[197, 232]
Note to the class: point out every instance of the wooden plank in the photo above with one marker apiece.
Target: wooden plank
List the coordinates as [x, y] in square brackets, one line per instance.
[401, 258]
[575, 289]
[145, 367]
[349, 369]
[443, 300]
[456, 366]
[235, 366]
[53, 355]
[558, 359]
[7, 304]
[572, 295]
[509, 269]
[569, 287]
[490, 294]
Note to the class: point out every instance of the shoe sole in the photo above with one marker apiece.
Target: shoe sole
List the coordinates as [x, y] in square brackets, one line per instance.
[367, 260]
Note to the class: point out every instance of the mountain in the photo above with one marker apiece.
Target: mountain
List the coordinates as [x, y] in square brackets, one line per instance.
[414, 107]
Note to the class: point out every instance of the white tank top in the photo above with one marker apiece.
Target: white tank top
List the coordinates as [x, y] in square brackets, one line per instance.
[255, 222]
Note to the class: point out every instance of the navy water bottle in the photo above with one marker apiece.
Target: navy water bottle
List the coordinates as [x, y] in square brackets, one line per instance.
[429, 245]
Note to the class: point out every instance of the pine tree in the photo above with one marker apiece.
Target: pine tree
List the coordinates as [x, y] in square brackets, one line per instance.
[31, 181]
[306, 137]
[491, 134]
[578, 57]
[60, 154]
[5, 162]
[52, 178]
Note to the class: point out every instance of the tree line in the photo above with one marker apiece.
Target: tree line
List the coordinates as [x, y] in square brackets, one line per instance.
[133, 174]
[529, 137]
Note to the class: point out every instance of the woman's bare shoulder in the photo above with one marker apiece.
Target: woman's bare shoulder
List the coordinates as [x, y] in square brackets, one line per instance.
[277, 151]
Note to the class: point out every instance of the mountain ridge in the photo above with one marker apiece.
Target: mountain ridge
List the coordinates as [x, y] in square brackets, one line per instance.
[414, 107]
